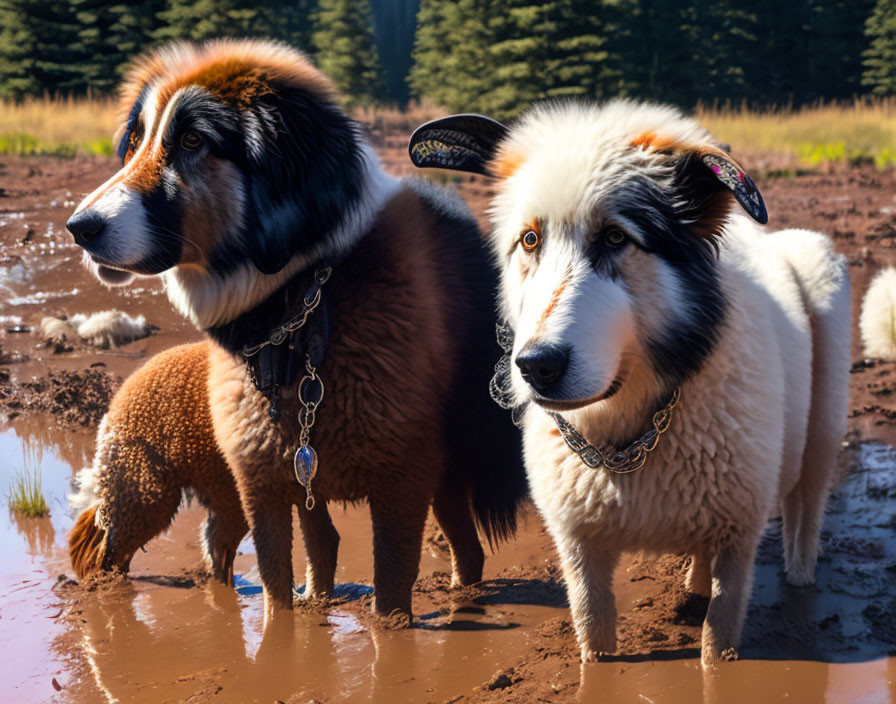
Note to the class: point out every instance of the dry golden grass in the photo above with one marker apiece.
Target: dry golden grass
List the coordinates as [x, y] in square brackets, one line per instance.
[62, 126]
[808, 137]
[812, 136]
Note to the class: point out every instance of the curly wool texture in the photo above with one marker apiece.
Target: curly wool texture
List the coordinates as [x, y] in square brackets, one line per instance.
[877, 322]
[155, 442]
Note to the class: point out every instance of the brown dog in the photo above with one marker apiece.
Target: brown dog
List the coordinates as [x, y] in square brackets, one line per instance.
[156, 442]
[241, 177]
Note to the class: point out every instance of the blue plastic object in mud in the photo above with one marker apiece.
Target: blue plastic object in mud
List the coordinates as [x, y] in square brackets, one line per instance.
[349, 591]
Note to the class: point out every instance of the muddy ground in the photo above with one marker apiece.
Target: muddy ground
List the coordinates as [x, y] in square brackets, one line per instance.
[168, 634]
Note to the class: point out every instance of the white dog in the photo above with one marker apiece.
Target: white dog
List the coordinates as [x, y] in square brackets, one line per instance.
[697, 363]
[877, 322]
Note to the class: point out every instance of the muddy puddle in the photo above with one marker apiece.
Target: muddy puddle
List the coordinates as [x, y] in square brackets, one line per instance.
[169, 634]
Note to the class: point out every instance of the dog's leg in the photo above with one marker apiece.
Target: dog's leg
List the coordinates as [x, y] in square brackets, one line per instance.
[397, 543]
[589, 587]
[321, 548]
[699, 576]
[732, 580]
[225, 527]
[827, 424]
[270, 520]
[811, 494]
[452, 510]
[791, 508]
[221, 538]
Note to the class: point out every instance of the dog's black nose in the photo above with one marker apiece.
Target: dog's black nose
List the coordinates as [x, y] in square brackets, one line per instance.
[86, 226]
[542, 364]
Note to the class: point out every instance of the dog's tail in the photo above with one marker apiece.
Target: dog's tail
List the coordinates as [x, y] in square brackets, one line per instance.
[87, 544]
[877, 322]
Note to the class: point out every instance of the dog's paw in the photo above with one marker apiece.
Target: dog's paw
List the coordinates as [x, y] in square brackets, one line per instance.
[800, 577]
[597, 647]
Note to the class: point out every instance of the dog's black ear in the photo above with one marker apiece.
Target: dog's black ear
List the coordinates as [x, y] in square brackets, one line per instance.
[738, 181]
[302, 179]
[460, 143]
[704, 188]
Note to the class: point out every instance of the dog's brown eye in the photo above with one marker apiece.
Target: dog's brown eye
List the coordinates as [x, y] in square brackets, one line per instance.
[530, 240]
[615, 237]
[191, 141]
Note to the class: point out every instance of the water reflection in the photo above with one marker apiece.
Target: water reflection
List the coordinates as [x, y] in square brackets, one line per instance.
[159, 636]
[38, 533]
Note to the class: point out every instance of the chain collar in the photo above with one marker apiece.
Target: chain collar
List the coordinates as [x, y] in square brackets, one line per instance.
[629, 459]
[624, 461]
[311, 301]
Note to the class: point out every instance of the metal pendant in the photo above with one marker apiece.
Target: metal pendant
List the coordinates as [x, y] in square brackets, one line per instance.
[305, 463]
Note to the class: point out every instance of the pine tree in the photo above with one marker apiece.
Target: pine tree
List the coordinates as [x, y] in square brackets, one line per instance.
[880, 58]
[777, 71]
[441, 29]
[499, 56]
[393, 23]
[36, 37]
[109, 36]
[836, 42]
[552, 49]
[344, 48]
[204, 19]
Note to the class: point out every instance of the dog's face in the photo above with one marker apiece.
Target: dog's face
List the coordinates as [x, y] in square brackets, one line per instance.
[605, 221]
[233, 153]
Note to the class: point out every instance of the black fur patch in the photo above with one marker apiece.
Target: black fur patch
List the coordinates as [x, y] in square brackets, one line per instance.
[492, 460]
[683, 346]
[163, 213]
[302, 183]
[131, 125]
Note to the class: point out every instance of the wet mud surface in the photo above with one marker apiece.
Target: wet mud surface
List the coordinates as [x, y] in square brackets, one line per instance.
[168, 633]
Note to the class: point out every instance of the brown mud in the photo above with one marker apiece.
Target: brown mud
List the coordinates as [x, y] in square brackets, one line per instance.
[168, 633]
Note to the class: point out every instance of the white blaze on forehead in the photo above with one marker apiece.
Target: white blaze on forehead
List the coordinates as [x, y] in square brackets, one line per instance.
[149, 112]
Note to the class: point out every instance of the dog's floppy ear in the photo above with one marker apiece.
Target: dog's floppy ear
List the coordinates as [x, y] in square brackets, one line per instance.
[302, 178]
[460, 143]
[705, 182]
[738, 181]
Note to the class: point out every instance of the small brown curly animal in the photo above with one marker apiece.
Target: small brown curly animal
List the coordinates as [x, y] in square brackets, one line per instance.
[155, 443]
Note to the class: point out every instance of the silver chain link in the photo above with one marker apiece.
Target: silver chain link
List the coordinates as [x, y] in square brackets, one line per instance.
[627, 460]
[309, 303]
[308, 405]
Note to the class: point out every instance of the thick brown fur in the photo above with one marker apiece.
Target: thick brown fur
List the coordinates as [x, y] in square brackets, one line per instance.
[379, 431]
[156, 442]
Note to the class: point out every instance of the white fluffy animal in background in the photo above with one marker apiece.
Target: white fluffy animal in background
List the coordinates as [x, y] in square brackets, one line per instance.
[109, 328]
[878, 319]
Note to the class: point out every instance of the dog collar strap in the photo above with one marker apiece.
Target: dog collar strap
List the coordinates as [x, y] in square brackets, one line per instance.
[626, 460]
[311, 301]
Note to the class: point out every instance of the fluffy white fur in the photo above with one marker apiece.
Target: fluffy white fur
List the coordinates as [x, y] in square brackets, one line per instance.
[86, 482]
[109, 328]
[759, 423]
[877, 322]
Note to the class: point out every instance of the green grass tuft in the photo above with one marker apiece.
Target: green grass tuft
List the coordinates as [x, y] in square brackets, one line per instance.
[26, 494]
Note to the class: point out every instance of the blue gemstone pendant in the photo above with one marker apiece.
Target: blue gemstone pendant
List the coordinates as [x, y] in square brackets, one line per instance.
[305, 464]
